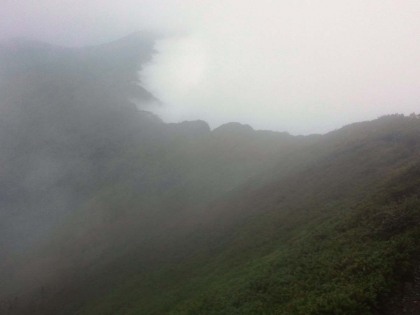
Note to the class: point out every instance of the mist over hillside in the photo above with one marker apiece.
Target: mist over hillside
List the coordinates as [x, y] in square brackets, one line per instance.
[106, 209]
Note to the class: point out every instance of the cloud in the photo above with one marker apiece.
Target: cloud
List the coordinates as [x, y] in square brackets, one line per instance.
[301, 66]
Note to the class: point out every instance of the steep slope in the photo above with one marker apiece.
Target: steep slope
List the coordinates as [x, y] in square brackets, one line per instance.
[86, 176]
[335, 236]
[105, 209]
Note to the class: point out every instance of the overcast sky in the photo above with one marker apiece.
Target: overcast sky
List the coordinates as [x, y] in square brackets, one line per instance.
[300, 66]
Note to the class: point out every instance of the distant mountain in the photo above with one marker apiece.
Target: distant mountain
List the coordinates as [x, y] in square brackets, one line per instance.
[105, 209]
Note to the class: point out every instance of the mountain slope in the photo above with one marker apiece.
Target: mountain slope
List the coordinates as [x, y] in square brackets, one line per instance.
[105, 209]
[336, 237]
[86, 176]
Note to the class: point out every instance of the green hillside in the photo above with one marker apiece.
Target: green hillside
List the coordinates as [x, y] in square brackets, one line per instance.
[105, 209]
[338, 237]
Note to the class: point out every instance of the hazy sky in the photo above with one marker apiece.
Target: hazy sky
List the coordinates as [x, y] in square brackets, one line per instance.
[301, 66]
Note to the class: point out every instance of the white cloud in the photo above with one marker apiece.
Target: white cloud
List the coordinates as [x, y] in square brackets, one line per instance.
[302, 66]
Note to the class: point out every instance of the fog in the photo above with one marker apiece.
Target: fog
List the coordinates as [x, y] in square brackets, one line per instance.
[299, 66]
[95, 189]
[87, 177]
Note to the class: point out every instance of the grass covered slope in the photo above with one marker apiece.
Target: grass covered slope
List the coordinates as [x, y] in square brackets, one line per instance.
[336, 235]
[105, 209]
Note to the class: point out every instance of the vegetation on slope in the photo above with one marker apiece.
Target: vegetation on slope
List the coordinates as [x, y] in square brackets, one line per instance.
[116, 212]
[337, 238]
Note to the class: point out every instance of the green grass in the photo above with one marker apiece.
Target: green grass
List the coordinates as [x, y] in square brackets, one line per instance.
[331, 265]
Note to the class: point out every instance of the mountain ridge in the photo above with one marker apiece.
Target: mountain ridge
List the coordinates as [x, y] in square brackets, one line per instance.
[106, 209]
